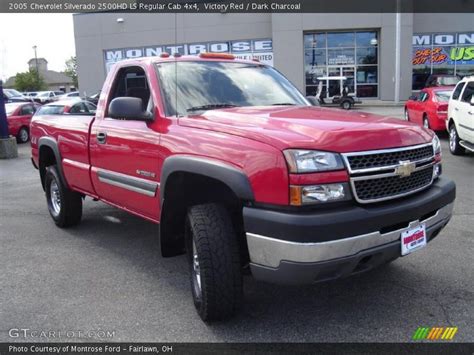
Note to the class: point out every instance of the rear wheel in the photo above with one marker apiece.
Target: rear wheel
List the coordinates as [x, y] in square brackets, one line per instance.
[454, 147]
[213, 255]
[23, 135]
[64, 205]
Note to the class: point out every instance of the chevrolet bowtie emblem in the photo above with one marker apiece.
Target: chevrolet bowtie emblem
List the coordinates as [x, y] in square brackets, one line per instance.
[405, 168]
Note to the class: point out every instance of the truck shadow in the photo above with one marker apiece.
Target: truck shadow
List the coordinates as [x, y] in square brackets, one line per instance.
[286, 313]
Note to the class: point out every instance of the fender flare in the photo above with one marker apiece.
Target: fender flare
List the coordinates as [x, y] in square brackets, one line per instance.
[234, 178]
[51, 143]
[170, 243]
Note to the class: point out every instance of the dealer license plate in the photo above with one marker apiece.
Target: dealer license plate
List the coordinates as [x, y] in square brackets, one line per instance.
[413, 239]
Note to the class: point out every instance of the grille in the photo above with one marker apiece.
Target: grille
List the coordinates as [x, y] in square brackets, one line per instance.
[379, 160]
[392, 186]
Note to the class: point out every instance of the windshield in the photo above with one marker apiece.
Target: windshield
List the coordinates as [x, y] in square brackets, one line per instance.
[9, 108]
[448, 80]
[51, 110]
[208, 85]
[443, 96]
[12, 93]
[44, 93]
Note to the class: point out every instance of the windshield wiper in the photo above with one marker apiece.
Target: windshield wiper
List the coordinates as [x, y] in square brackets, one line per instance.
[284, 104]
[210, 107]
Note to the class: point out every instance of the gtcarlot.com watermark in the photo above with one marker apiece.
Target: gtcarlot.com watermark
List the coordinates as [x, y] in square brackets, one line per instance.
[52, 334]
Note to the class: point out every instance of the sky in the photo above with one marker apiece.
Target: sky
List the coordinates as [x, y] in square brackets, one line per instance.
[53, 34]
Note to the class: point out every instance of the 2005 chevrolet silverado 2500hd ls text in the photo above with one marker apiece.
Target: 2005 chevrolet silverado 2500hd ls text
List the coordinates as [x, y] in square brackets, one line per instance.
[243, 175]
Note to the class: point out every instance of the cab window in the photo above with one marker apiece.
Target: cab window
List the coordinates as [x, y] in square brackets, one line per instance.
[468, 92]
[27, 110]
[79, 108]
[132, 82]
[457, 91]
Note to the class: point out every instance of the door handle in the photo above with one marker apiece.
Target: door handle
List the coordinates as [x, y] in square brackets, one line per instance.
[101, 137]
[456, 109]
[470, 112]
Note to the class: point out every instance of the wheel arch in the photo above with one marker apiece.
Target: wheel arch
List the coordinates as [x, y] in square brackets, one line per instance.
[48, 155]
[189, 180]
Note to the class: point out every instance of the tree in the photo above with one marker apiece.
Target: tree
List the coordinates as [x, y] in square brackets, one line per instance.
[71, 70]
[29, 81]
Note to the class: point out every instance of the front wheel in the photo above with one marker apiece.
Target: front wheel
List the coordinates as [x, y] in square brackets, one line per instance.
[23, 135]
[214, 259]
[64, 205]
[407, 115]
[426, 122]
[454, 147]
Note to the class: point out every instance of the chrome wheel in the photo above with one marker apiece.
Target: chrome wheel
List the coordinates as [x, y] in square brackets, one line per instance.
[55, 197]
[452, 138]
[407, 118]
[196, 271]
[23, 135]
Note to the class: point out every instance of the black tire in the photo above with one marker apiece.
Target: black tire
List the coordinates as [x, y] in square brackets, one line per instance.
[23, 135]
[69, 210]
[218, 293]
[454, 147]
[346, 105]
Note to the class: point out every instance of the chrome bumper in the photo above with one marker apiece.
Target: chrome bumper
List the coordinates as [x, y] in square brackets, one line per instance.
[270, 252]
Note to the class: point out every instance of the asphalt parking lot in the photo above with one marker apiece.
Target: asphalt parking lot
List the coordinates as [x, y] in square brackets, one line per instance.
[106, 274]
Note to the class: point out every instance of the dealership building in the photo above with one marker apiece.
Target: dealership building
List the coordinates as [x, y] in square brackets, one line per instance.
[384, 56]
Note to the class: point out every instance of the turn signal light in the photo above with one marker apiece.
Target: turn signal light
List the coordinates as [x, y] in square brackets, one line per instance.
[216, 55]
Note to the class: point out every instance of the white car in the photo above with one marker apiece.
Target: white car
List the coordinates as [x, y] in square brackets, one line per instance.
[44, 97]
[70, 95]
[460, 122]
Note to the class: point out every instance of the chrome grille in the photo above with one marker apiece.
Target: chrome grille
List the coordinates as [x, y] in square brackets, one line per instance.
[380, 188]
[368, 160]
[375, 175]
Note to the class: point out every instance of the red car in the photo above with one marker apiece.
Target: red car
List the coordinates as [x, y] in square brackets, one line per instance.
[18, 117]
[244, 175]
[73, 107]
[429, 108]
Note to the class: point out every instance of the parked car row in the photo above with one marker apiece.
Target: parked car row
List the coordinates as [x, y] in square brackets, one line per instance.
[446, 108]
[19, 114]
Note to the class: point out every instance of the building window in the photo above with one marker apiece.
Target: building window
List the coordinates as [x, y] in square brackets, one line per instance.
[353, 55]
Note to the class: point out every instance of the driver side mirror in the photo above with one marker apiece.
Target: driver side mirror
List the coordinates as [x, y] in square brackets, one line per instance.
[413, 98]
[129, 108]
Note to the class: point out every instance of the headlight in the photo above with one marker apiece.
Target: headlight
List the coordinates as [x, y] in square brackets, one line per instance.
[307, 195]
[436, 145]
[311, 161]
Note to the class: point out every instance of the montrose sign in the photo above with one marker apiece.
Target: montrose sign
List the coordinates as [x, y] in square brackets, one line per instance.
[261, 49]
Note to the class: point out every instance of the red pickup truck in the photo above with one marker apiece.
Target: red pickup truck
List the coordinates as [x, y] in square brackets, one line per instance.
[244, 175]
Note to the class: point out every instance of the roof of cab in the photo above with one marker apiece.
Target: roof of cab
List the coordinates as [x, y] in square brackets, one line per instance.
[171, 58]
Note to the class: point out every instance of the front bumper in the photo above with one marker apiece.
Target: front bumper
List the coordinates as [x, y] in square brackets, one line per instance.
[294, 248]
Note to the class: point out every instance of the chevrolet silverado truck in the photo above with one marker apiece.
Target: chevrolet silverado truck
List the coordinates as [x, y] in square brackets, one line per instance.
[243, 175]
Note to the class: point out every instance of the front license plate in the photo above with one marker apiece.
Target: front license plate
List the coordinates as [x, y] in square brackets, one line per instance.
[413, 239]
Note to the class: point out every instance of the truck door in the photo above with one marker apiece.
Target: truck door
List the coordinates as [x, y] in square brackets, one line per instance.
[124, 152]
[465, 114]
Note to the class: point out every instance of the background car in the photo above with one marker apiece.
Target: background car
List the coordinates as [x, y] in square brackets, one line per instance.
[429, 108]
[12, 95]
[437, 80]
[94, 98]
[77, 107]
[18, 118]
[460, 122]
[44, 97]
[70, 95]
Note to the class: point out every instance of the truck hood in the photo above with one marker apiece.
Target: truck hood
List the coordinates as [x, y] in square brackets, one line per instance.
[311, 128]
